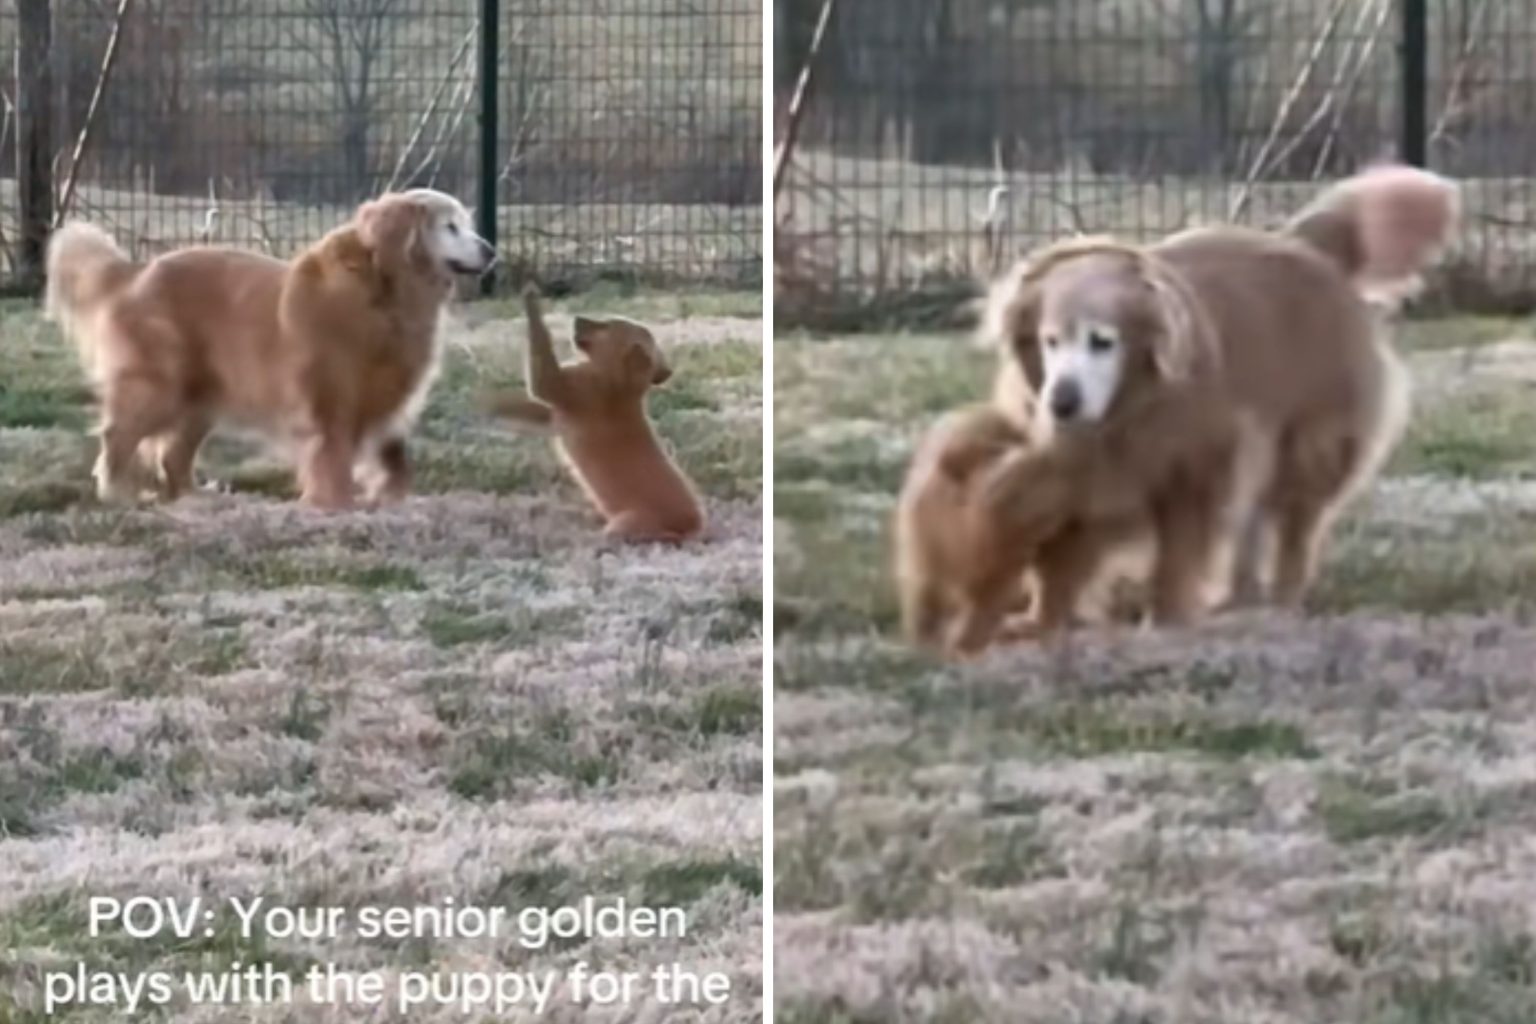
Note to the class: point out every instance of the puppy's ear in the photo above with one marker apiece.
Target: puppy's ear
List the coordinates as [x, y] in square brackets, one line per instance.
[586, 330]
[642, 360]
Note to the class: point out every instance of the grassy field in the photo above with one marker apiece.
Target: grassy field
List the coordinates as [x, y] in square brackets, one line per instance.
[1270, 819]
[470, 695]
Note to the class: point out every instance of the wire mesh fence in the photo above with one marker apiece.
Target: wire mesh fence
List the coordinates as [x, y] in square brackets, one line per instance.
[943, 138]
[633, 134]
[626, 141]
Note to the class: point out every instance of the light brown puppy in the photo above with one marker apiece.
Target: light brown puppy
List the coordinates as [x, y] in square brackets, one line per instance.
[958, 573]
[333, 353]
[597, 409]
[1231, 384]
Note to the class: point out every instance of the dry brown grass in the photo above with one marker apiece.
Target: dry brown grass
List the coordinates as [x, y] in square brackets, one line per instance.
[470, 695]
[1271, 819]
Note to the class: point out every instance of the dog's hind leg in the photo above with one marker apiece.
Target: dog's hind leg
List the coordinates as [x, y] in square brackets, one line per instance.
[130, 414]
[1319, 469]
[1252, 529]
[176, 454]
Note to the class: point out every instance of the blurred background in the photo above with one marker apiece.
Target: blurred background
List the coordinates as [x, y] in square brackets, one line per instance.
[611, 138]
[942, 138]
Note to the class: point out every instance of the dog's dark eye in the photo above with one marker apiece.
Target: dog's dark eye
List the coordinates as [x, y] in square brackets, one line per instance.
[453, 228]
[1100, 342]
[1050, 341]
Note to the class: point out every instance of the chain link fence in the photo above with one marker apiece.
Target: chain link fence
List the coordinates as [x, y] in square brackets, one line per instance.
[626, 139]
[943, 138]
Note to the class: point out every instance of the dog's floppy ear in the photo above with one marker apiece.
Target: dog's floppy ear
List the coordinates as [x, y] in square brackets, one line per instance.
[391, 226]
[1010, 320]
[1025, 336]
[1174, 343]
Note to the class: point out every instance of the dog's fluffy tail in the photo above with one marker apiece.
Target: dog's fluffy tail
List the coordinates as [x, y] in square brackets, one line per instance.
[85, 268]
[1384, 227]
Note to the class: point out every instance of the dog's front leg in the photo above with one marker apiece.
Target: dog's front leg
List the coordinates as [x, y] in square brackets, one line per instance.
[392, 481]
[1189, 534]
[1065, 567]
[541, 367]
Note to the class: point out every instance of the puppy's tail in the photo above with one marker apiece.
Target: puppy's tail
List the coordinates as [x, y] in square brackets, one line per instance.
[85, 268]
[1383, 227]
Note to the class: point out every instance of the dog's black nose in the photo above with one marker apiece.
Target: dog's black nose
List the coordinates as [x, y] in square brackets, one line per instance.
[487, 254]
[1066, 399]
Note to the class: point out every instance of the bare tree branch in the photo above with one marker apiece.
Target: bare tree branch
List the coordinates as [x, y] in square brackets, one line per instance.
[108, 60]
[1303, 76]
[797, 103]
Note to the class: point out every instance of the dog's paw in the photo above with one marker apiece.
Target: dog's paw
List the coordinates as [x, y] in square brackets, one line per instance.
[327, 502]
[112, 490]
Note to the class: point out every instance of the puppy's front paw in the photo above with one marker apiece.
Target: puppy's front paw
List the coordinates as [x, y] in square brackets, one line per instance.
[632, 529]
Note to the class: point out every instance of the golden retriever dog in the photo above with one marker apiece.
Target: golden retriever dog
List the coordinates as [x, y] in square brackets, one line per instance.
[952, 589]
[961, 571]
[1230, 387]
[333, 352]
[596, 406]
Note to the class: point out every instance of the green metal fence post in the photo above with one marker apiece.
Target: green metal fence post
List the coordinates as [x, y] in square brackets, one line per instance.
[1415, 73]
[490, 19]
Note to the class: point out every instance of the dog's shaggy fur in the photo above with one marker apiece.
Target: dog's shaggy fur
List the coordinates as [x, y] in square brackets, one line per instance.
[1224, 386]
[957, 575]
[597, 409]
[333, 352]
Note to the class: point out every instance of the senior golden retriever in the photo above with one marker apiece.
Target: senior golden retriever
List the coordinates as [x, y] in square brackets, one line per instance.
[333, 352]
[1225, 386]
